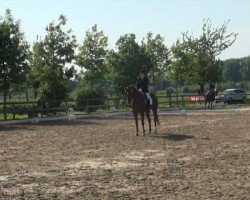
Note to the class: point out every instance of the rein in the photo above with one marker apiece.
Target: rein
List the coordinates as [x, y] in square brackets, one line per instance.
[132, 100]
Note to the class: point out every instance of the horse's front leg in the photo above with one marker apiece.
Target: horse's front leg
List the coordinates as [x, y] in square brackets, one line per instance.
[142, 123]
[136, 123]
[149, 121]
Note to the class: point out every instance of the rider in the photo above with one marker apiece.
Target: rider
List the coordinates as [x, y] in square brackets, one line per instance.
[212, 86]
[142, 84]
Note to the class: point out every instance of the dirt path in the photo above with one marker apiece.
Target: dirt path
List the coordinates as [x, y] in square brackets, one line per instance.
[192, 157]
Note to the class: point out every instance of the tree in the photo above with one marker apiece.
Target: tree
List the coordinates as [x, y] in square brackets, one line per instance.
[13, 54]
[48, 60]
[195, 59]
[92, 55]
[245, 68]
[232, 70]
[236, 69]
[37, 62]
[158, 56]
[125, 64]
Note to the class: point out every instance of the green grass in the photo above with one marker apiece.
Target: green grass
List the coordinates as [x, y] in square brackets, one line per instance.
[10, 116]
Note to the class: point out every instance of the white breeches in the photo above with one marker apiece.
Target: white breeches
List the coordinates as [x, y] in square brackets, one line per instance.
[149, 98]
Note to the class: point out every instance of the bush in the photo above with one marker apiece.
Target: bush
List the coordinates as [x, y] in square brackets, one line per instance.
[47, 94]
[229, 84]
[190, 89]
[170, 89]
[22, 109]
[242, 85]
[89, 97]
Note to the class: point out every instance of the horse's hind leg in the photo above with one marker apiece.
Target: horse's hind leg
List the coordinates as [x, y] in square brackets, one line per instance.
[136, 124]
[149, 121]
[156, 120]
[142, 123]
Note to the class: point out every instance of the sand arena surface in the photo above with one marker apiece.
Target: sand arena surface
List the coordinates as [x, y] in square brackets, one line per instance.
[197, 156]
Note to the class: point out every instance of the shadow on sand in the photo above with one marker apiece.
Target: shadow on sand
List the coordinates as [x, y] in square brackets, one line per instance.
[173, 136]
[177, 137]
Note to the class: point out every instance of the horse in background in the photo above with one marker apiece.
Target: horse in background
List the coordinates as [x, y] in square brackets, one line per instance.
[210, 97]
[140, 105]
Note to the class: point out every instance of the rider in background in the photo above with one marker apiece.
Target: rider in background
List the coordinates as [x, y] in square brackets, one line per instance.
[212, 86]
[142, 84]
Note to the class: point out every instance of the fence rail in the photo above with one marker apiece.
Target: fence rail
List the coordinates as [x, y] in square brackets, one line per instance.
[33, 109]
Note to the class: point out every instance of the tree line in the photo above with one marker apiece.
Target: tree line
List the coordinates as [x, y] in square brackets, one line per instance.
[48, 65]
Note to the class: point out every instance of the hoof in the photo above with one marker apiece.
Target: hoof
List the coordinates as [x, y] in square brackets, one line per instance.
[136, 134]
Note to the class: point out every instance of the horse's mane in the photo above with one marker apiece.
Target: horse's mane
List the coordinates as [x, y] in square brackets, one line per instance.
[134, 89]
[135, 92]
[132, 86]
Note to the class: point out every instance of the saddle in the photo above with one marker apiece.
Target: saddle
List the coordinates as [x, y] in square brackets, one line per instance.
[147, 102]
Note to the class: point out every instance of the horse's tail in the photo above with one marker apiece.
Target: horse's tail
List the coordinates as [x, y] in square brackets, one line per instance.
[154, 109]
[156, 116]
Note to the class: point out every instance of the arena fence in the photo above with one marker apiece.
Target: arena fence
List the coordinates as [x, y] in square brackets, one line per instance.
[60, 108]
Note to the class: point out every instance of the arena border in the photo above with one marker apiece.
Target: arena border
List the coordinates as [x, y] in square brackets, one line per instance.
[161, 112]
[39, 119]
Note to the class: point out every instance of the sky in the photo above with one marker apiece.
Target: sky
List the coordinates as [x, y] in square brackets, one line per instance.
[169, 18]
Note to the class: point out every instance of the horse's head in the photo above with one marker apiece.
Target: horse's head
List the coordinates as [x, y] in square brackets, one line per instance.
[130, 92]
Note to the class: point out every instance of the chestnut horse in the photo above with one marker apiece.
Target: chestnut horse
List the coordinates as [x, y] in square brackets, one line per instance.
[210, 97]
[140, 105]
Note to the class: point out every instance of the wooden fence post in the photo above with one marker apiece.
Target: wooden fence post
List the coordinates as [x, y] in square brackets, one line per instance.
[66, 105]
[88, 109]
[170, 101]
[13, 111]
[41, 107]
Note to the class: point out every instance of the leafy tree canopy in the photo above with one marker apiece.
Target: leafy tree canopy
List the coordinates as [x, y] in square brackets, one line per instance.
[158, 56]
[13, 54]
[92, 55]
[124, 64]
[49, 58]
[195, 59]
